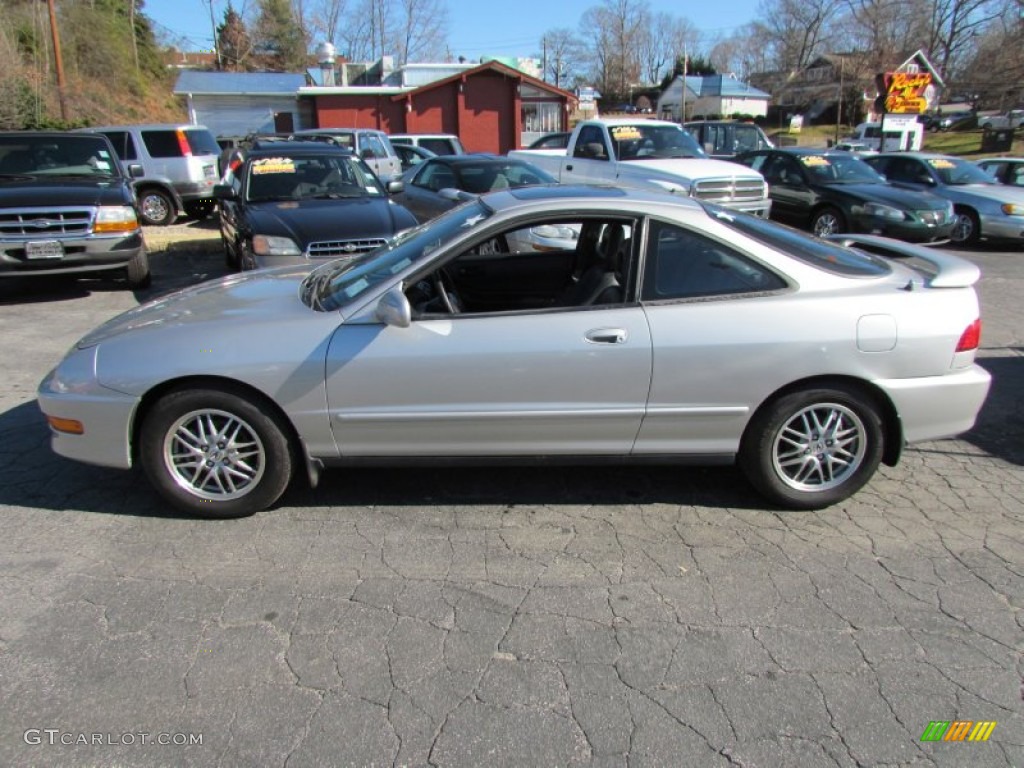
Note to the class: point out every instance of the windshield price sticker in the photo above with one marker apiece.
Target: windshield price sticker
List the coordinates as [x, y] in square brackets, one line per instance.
[815, 161]
[273, 165]
[626, 133]
[938, 162]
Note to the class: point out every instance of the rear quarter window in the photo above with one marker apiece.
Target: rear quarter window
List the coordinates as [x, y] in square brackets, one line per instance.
[162, 143]
[822, 254]
[201, 142]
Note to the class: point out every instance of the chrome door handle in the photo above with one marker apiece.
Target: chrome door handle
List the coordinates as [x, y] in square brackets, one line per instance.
[606, 336]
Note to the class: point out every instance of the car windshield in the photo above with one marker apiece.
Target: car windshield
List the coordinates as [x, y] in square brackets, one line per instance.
[638, 141]
[820, 253]
[335, 284]
[954, 171]
[482, 177]
[33, 155]
[309, 177]
[839, 169]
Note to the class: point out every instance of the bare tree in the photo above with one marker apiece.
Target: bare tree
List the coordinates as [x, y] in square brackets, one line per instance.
[561, 54]
[421, 29]
[797, 31]
[614, 28]
[953, 25]
[324, 19]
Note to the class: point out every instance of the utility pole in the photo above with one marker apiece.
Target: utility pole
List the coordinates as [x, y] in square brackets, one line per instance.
[839, 102]
[216, 42]
[682, 110]
[58, 60]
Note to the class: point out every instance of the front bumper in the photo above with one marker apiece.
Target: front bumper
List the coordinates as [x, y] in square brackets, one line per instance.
[910, 231]
[88, 253]
[999, 226]
[934, 407]
[105, 415]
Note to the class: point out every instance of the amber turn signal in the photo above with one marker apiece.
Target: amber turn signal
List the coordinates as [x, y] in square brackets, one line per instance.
[71, 426]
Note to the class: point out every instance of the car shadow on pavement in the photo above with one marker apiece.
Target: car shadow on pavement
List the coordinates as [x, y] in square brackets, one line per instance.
[32, 476]
[999, 430]
[54, 288]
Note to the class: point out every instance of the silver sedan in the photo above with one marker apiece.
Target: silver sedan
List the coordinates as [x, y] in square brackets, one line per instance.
[667, 332]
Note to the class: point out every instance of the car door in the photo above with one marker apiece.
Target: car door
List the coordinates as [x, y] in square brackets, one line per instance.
[590, 159]
[792, 198]
[534, 382]
[716, 318]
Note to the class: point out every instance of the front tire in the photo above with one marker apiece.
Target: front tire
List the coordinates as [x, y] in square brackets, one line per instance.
[966, 229]
[156, 207]
[814, 447]
[216, 452]
[828, 221]
[137, 272]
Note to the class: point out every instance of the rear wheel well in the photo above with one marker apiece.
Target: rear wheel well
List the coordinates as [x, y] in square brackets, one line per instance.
[892, 430]
[214, 382]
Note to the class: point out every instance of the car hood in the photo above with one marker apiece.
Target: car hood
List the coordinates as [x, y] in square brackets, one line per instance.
[239, 300]
[904, 199]
[311, 221]
[34, 191]
[997, 193]
[689, 167]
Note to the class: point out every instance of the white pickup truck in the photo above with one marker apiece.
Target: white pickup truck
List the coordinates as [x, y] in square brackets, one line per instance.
[653, 154]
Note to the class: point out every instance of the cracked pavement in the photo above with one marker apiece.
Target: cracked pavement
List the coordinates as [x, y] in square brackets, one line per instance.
[554, 616]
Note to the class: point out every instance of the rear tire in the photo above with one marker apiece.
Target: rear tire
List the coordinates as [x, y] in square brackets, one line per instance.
[814, 447]
[216, 452]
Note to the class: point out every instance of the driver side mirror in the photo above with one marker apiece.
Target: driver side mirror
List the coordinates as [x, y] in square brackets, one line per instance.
[394, 308]
[396, 187]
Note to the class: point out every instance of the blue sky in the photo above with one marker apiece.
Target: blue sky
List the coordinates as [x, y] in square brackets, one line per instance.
[477, 27]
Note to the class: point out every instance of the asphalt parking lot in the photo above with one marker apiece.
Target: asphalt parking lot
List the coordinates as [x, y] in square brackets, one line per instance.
[518, 617]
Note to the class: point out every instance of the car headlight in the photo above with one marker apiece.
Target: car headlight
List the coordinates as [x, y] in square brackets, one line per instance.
[115, 219]
[265, 245]
[884, 211]
[555, 232]
[1012, 209]
[75, 373]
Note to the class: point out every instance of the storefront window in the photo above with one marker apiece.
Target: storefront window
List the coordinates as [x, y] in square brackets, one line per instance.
[542, 116]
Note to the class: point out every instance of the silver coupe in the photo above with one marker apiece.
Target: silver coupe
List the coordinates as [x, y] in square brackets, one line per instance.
[668, 332]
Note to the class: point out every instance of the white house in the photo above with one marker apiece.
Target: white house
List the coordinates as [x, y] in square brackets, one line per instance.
[707, 95]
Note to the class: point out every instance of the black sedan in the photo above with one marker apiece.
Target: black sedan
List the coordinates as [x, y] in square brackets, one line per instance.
[304, 203]
[835, 192]
[442, 182]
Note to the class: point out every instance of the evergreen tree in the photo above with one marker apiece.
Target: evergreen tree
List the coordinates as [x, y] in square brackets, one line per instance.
[234, 42]
[279, 37]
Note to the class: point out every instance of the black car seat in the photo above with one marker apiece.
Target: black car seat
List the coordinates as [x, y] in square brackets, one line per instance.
[599, 283]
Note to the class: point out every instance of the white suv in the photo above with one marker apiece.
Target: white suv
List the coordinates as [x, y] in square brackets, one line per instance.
[438, 143]
[179, 165]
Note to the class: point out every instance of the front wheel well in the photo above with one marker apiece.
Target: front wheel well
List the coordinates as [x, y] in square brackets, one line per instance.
[224, 384]
[892, 428]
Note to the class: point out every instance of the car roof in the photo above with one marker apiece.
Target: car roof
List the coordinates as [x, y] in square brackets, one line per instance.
[583, 194]
[298, 148]
[329, 131]
[147, 127]
[919, 155]
[475, 158]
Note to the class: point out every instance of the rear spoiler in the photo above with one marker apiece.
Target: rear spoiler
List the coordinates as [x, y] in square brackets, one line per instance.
[941, 270]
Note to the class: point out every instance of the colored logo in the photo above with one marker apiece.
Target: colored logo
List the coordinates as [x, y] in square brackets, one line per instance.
[958, 730]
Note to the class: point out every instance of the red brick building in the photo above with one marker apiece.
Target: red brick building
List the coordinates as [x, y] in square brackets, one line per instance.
[489, 107]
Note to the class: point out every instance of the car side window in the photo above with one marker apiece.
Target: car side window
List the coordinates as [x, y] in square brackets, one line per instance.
[1016, 175]
[435, 177]
[907, 170]
[123, 143]
[162, 143]
[375, 145]
[683, 264]
[590, 144]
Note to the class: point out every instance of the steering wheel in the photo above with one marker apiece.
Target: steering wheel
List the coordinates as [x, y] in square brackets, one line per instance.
[446, 292]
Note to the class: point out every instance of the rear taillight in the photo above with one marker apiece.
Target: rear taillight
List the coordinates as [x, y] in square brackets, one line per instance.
[970, 338]
[186, 150]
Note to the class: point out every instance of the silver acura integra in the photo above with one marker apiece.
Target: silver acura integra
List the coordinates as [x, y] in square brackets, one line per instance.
[669, 331]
